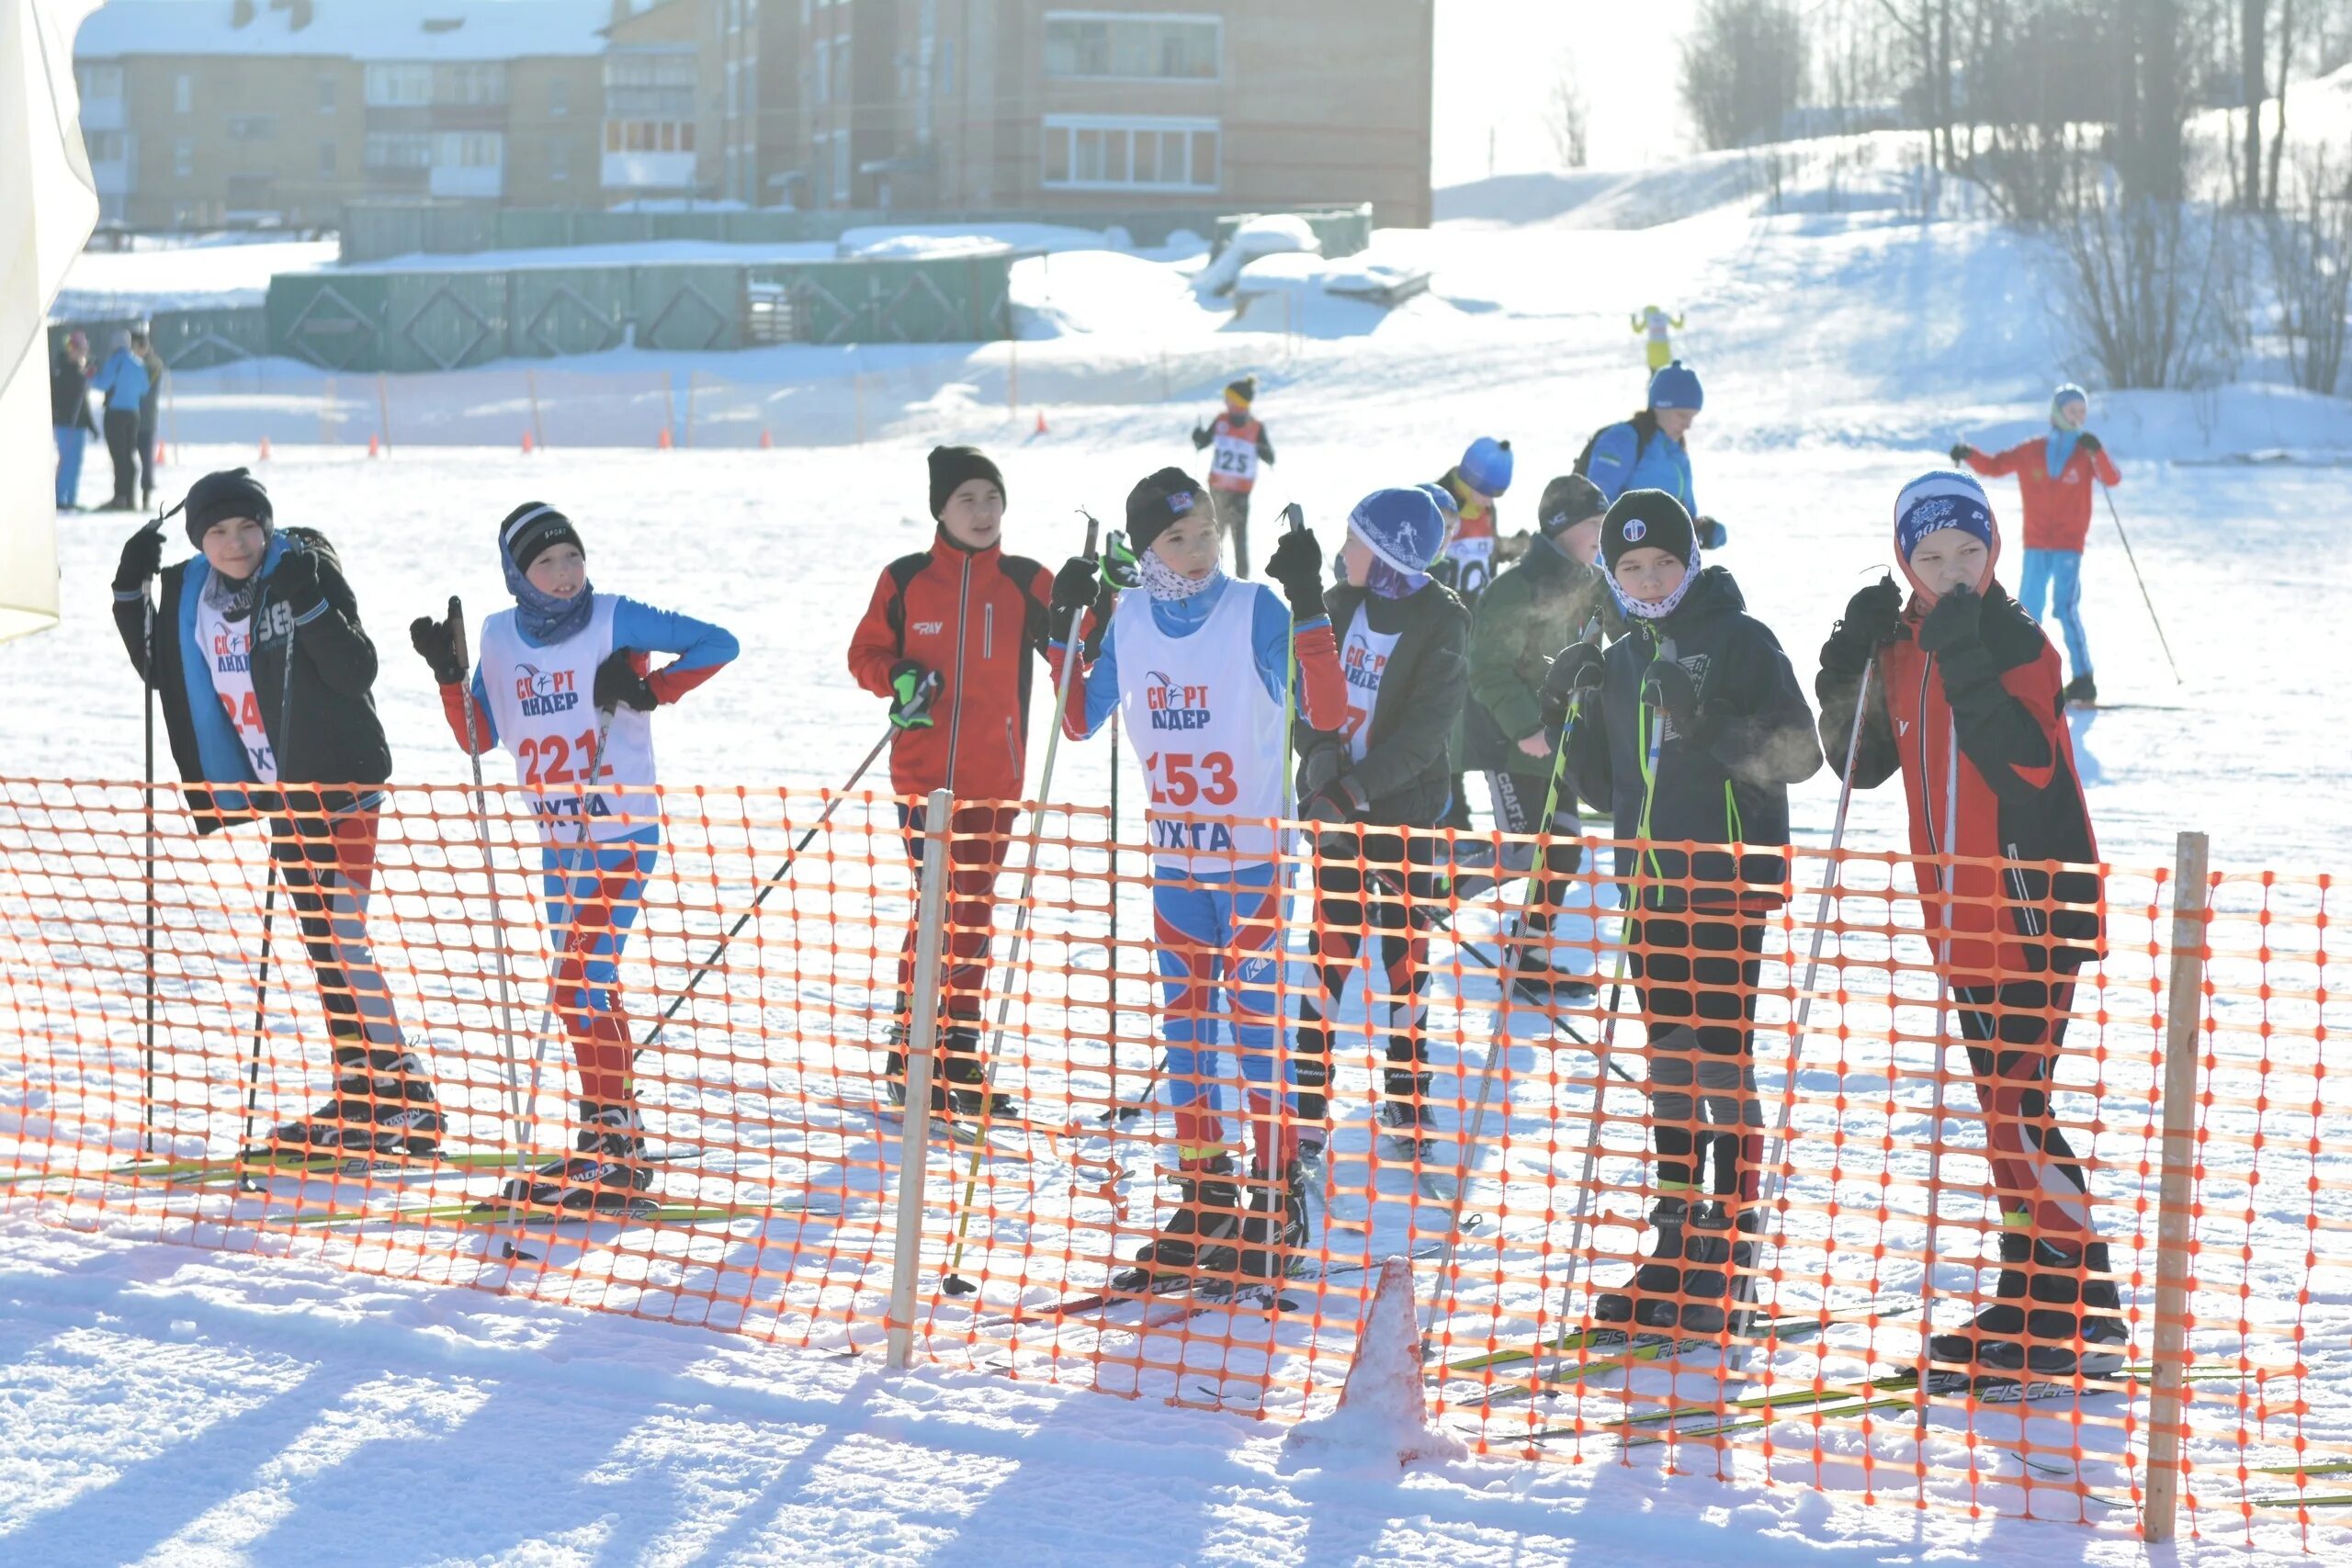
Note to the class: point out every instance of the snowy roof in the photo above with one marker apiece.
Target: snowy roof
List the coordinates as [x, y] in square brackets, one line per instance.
[357, 29]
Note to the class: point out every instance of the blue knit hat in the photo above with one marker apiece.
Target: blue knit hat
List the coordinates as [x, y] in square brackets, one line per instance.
[1485, 467]
[1403, 528]
[1677, 386]
[1944, 498]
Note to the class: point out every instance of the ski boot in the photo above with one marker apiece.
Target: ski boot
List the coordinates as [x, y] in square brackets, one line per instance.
[1404, 1110]
[382, 1107]
[2082, 691]
[2055, 1317]
[1719, 1286]
[605, 1172]
[1653, 1301]
[967, 1097]
[1276, 1230]
[1199, 1236]
[894, 1059]
[1541, 983]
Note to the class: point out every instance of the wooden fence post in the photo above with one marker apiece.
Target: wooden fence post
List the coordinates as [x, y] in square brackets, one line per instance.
[923, 1033]
[2184, 1011]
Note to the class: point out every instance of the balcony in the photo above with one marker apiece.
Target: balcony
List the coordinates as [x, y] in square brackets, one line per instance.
[649, 171]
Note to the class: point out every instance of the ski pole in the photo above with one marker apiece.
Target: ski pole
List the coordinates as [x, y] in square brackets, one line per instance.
[246, 1182]
[1948, 883]
[775, 880]
[955, 1284]
[2142, 581]
[147, 683]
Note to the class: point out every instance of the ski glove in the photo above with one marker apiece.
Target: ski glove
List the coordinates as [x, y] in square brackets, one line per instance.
[1575, 671]
[1952, 624]
[1666, 686]
[912, 688]
[1297, 565]
[1961, 453]
[1872, 617]
[1078, 586]
[295, 583]
[437, 641]
[142, 557]
[1318, 768]
[1339, 801]
[2086, 442]
[620, 685]
[1711, 535]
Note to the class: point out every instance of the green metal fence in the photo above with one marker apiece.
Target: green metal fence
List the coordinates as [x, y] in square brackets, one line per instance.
[187, 339]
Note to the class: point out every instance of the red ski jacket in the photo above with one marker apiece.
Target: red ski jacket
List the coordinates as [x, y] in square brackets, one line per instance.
[977, 617]
[2018, 796]
[2057, 511]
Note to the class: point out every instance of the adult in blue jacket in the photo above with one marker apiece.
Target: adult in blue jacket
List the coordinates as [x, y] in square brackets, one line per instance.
[1648, 451]
[123, 379]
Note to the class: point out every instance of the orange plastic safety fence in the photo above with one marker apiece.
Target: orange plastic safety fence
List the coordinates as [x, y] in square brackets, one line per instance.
[1705, 1188]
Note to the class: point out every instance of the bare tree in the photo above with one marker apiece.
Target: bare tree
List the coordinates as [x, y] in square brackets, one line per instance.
[2147, 287]
[2253, 26]
[2310, 247]
[1743, 69]
[1564, 115]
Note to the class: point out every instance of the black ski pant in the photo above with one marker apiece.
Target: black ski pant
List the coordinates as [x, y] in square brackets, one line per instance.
[2016, 1030]
[1696, 978]
[326, 863]
[1371, 914]
[146, 458]
[1518, 809]
[122, 445]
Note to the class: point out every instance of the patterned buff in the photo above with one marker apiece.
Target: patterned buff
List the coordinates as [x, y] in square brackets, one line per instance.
[1665, 606]
[1165, 584]
[544, 618]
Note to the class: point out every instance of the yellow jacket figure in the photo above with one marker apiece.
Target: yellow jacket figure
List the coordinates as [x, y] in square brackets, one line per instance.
[1653, 321]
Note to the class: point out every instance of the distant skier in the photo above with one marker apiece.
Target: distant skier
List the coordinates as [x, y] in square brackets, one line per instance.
[1201, 665]
[561, 675]
[1649, 451]
[1651, 319]
[1238, 437]
[1690, 730]
[2055, 474]
[123, 379]
[1964, 703]
[952, 637]
[1383, 764]
[264, 674]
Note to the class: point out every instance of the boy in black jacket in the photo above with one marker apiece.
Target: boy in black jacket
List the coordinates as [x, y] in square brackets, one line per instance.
[263, 671]
[1691, 728]
[1402, 638]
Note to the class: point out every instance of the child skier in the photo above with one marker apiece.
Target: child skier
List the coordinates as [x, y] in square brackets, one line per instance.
[1988, 770]
[2056, 473]
[264, 672]
[1238, 437]
[1199, 665]
[559, 679]
[950, 638]
[1383, 764]
[1473, 549]
[1659, 350]
[1691, 728]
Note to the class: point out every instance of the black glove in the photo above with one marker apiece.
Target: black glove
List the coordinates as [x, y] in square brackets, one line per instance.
[1961, 453]
[437, 641]
[1075, 587]
[1318, 767]
[1575, 671]
[912, 688]
[1297, 565]
[618, 685]
[1666, 686]
[295, 582]
[1953, 624]
[1868, 624]
[1339, 801]
[142, 557]
[2086, 442]
[1200, 437]
[1711, 535]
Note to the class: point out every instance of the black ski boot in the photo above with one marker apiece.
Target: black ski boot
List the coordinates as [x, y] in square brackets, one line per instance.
[1541, 983]
[894, 1060]
[1653, 1301]
[1311, 1071]
[1199, 1236]
[1276, 1230]
[607, 1172]
[2082, 691]
[1720, 1283]
[966, 1089]
[382, 1107]
[2049, 1323]
[1404, 1108]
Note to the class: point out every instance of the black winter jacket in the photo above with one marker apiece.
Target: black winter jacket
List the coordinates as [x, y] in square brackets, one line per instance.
[1405, 773]
[1731, 787]
[327, 731]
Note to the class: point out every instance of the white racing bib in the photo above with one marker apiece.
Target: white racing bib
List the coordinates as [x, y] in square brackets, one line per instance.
[1363, 661]
[228, 657]
[542, 700]
[1209, 736]
[1234, 458]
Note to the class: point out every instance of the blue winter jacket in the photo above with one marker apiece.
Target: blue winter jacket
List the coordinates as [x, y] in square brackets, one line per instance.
[123, 379]
[1621, 461]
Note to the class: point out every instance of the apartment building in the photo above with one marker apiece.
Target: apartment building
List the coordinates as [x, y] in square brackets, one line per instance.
[279, 112]
[1041, 104]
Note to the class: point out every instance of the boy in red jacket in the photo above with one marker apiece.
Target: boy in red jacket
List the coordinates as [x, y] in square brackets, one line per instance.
[949, 638]
[1965, 701]
[2054, 477]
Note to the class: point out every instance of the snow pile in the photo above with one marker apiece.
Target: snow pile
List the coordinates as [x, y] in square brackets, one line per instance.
[1383, 1408]
[213, 270]
[925, 242]
[1271, 234]
[1089, 292]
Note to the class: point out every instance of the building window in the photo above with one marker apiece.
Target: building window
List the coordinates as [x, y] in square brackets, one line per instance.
[559, 162]
[648, 136]
[184, 157]
[98, 81]
[399, 86]
[327, 169]
[649, 86]
[820, 90]
[399, 150]
[558, 97]
[473, 85]
[103, 146]
[1130, 152]
[1106, 46]
[468, 149]
[252, 127]
[326, 95]
[183, 93]
[841, 168]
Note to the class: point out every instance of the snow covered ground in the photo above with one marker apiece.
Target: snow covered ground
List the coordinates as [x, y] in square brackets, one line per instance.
[172, 1405]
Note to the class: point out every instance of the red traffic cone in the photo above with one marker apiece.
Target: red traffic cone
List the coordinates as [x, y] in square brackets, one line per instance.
[1041, 421]
[265, 448]
[664, 442]
[373, 449]
[526, 443]
[159, 453]
[767, 441]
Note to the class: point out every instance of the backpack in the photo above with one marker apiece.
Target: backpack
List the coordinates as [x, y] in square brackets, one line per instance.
[1644, 425]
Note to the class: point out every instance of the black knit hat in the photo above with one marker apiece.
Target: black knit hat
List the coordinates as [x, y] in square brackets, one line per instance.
[951, 466]
[1646, 517]
[1568, 501]
[232, 492]
[1159, 502]
[533, 528]
[1246, 390]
